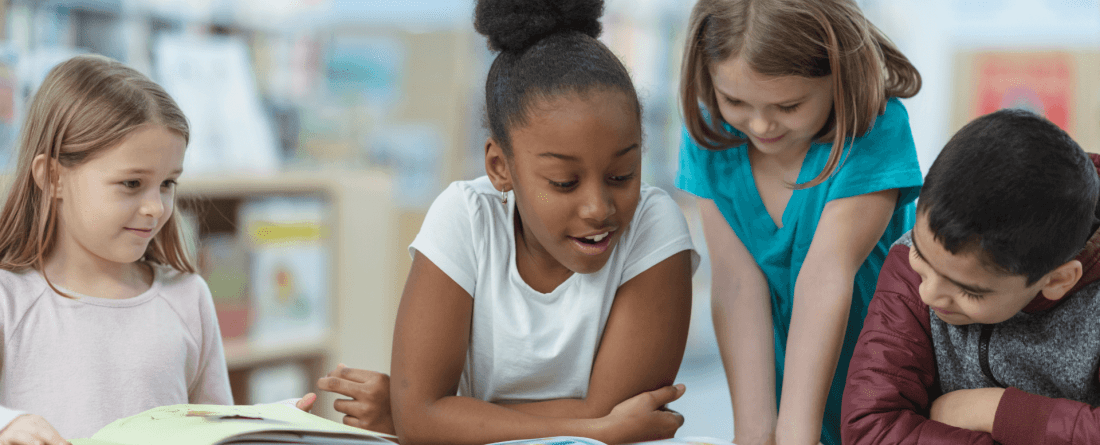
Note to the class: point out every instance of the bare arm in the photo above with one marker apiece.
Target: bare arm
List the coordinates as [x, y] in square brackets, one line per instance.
[849, 228]
[430, 344]
[740, 305]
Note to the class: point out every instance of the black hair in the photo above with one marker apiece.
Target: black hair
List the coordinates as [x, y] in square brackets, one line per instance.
[1017, 189]
[547, 48]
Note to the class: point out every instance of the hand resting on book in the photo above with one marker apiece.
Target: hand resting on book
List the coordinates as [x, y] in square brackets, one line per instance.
[369, 405]
[30, 429]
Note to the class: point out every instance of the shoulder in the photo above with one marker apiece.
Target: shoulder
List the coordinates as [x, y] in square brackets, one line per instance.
[19, 291]
[653, 202]
[466, 198]
[889, 128]
[184, 291]
[658, 227]
[897, 276]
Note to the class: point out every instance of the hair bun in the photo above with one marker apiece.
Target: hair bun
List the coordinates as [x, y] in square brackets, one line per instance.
[513, 25]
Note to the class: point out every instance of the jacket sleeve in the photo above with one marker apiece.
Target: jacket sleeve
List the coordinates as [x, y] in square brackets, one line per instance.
[1024, 418]
[892, 375]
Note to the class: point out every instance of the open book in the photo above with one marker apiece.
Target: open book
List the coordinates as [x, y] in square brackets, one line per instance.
[224, 425]
[568, 440]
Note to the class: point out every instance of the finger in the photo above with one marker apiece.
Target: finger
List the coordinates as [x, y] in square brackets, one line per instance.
[52, 437]
[354, 421]
[666, 395]
[339, 386]
[306, 402]
[362, 375]
[334, 372]
[356, 408]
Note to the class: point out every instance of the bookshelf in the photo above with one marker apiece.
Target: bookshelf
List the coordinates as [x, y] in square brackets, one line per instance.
[367, 260]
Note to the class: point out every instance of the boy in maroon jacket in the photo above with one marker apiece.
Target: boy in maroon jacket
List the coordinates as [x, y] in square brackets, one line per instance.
[986, 322]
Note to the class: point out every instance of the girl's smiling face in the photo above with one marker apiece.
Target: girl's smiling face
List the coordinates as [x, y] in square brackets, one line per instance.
[779, 115]
[112, 205]
[574, 169]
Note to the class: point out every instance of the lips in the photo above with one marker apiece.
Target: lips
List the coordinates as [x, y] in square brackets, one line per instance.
[144, 233]
[594, 243]
[945, 312]
[769, 140]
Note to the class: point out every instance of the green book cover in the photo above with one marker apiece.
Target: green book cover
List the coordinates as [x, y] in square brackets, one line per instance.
[224, 425]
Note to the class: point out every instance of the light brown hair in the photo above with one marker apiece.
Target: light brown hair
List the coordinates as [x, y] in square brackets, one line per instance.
[805, 38]
[85, 105]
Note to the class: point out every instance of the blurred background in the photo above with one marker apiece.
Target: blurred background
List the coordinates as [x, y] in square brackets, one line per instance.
[323, 129]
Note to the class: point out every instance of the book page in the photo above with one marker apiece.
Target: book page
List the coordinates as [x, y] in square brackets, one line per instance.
[212, 424]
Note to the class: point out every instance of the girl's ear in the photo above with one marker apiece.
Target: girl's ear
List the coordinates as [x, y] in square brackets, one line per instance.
[496, 166]
[1061, 280]
[38, 171]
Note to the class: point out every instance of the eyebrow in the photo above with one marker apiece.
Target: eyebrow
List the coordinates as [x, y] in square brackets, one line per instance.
[788, 101]
[575, 159]
[972, 288]
[145, 171]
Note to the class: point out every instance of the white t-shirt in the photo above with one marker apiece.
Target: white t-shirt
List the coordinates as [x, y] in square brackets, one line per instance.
[526, 345]
[83, 363]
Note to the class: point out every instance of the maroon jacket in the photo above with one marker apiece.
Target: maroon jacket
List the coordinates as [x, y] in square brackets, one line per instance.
[893, 379]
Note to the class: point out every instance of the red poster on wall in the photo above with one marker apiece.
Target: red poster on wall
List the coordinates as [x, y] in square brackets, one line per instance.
[1042, 83]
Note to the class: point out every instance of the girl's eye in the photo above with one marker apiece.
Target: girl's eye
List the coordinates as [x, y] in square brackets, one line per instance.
[131, 184]
[564, 185]
[623, 178]
[734, 102]
[789, 108]
[169, 183]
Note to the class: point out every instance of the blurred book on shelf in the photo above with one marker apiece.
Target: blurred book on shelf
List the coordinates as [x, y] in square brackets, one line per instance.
[289, 272]
[223, 261]
[213, 82]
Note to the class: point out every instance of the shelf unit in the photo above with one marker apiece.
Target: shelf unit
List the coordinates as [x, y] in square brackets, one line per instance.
[367, 261]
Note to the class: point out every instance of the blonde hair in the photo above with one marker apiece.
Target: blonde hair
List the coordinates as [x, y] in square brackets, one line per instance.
[85, 105]
[802, 38]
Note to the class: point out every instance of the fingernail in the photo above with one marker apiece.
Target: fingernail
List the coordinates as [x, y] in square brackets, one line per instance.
[681, 387]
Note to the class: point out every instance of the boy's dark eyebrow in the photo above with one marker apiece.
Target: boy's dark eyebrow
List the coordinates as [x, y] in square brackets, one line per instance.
[574, 158]
[974, 289]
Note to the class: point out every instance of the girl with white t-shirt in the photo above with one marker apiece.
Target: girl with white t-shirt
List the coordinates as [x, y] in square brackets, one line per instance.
[552, 296]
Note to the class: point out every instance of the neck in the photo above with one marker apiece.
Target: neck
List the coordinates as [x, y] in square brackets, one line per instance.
[96, 277]
[536, 266]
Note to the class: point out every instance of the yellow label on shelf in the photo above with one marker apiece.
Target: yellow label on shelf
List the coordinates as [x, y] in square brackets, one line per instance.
[265, 232]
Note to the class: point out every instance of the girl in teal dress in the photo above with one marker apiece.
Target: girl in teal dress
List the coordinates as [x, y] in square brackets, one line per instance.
[804, 164]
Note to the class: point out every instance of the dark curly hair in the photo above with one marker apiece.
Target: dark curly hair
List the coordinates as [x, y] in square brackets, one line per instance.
[547, 48]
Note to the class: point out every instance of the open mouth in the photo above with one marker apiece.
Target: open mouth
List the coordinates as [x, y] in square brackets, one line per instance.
[593, 244]
[595, 239]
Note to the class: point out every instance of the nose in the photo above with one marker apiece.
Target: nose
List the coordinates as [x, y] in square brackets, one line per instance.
[759, 124]
[153, 203]
[933, 292]
[598, 204]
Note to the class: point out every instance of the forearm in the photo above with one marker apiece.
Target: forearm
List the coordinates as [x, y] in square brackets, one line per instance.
[743, 326]
[818, 322]
[465, 420]
[561, 408]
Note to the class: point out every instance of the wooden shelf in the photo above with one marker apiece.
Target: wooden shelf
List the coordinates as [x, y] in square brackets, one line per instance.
[368, 265]
[243, 353]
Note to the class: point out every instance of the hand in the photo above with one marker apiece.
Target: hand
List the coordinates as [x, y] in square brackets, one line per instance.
[972, 409]
[369, 406]
[306, 402]
[31, 429]
[644, 417]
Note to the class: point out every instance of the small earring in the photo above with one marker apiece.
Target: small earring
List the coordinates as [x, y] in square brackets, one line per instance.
[503, 196]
